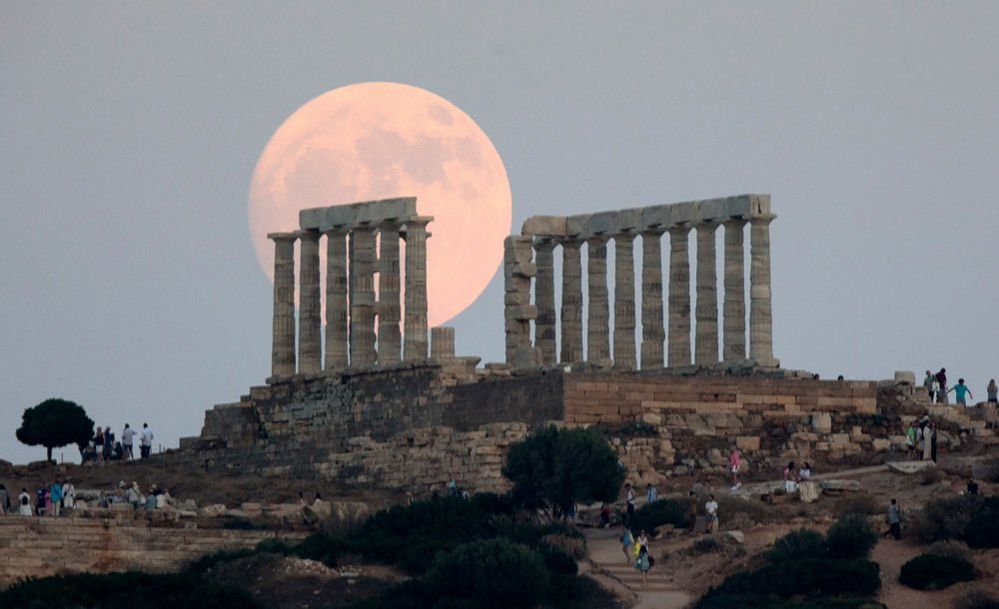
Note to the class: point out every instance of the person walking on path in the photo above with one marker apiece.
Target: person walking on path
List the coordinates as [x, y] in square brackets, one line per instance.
[146, 441]
[692, 513]
[651, 494]
[910, 442]
[644, 560]
[630, 504]
[928, 437]
[99, 445]
[894, 518]
[928, 383]
[734, 463]
[627, 543]
[960, 392]
[942, 382]
[933, 442]
[55, 497]
[127, 439]
[24, 503]
[711, 507]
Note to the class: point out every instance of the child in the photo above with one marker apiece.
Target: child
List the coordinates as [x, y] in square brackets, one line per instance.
[959, 392]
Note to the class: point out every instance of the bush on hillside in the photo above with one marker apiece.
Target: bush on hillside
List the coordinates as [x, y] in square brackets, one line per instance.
[749, 601]
[860, 503]
[943, 519]
[950, 549]
[977, 599]
[796, 545]
[663, 511]
[493, 574]
[812, 577]
[928, 572]
[851, 537]
[730, 507]
[983, 527]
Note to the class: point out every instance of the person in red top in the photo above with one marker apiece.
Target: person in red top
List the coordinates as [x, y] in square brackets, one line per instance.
[734, 462]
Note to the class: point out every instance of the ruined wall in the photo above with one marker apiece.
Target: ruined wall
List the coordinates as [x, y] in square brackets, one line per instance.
[39, 547]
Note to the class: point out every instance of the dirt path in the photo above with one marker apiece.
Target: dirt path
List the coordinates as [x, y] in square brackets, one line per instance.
[660, 591]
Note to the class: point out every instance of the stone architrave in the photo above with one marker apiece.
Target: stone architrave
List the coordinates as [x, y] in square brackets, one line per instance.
[734, 320]
[518, 312]
[544, 299]
[598, 313]
[624, 301]
[283, 345]
[679, 297]
[415, 326]
[389, 336]
[310, 324]
[572, 302]
[653, 333]
[362, 297]
[760, 312]
[706, 311]
[336, 299]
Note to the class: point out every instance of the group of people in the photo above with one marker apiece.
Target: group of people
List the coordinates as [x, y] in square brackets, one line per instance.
[48, 500]
[638, 551]
[794, 476]
[937, 389]
[104, 448]
[921, 440]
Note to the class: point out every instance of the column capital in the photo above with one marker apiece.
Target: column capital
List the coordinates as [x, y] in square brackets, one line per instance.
[707, 225]
[601, 239]
[680, 230]
[626, 234]
[290, 236]
[342, 229]
[308, 233]
[763, 220]
[734, 222]
[543, 244]
[652, 231]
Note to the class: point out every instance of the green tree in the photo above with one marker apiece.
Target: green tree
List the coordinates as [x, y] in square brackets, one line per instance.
[55, 422]
[554, 468]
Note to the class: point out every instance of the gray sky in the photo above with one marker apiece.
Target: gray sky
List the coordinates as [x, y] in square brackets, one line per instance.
[129, 131]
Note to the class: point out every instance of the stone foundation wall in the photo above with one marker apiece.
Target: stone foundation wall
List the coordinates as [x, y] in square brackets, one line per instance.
[39, 547]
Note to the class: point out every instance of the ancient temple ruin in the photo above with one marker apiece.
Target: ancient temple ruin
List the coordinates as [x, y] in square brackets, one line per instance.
[529, 268]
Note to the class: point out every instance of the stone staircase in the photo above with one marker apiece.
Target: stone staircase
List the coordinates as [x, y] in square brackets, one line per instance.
[607, 563]
[658, 580]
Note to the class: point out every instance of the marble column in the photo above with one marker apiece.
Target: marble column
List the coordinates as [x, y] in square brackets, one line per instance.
[598, 313]
[283, 345]
[706, 311]
[389, 337]
[679, 297]
[653, 333]
[336, 299]
[760, 313]
[310, 323]
[544, 299]
[572, 302]
[734, 323]
[415, 325]
[518, 312]
[362, 297]
[624, 301]
[442, 344]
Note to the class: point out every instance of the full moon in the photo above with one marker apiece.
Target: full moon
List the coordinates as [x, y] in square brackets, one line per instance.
[381, 140]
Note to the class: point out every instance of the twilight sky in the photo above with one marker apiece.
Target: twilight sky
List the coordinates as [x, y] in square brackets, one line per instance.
[129, 133]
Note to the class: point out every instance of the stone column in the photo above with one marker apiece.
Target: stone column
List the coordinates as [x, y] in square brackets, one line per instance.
[283, 345]
[653, 334]
[362, 297]
[544, 299]
[415, 327]
[761, 346]
[679, 297]
[310, 324]
[518, 271]
[389, 337]
[336, 299]
[706, 313]
[598, 313]
[734, 335]
[624, 301]
[442, 343]
[572, 302]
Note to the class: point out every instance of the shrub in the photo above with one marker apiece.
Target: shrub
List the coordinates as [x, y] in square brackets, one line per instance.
[858, 504]
[803, 543]
[928, 572]
[572, 546]
[807, 577]
[656, 514]
[208, 562]
[851, 537]
[950, 549]
[706, 545]
[748, 601]
[730, 507]
[977, 599]
[982, 530]
[321, 547]
[488, 574]
[943, 519]
[930, 476]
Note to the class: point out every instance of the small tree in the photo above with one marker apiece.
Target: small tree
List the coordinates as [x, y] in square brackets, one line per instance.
[55, 422]
[554, 468]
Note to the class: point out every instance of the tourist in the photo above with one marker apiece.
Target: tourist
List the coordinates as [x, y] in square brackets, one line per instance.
[942, 386]
[301, 499]
[151, 498]
[108, 444]
[790, 482]
[894, 518]
[734, 464]
[651, 494]
[55, 498]
[692, 513]
[928, 383]
[910, 441]
[99, 445]
[711, 508]
[24, 501]
[933, 441]
[928, 437]
[132, 495]
[805, 473]
[644, 561]
[960, 391]
[605, 516]
[993, 392]
[840, 378]
[40, 501]
[452, 488]
[630, 503]
[627, 541]
[127, 438]
[4, 500]
[68, 495]
[972, 487]
[145, 441]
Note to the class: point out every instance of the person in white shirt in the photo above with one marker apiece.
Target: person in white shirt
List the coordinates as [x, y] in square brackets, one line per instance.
[68, 495]
[711, 507]
[24, 503]
[146, 441]
[127, 438]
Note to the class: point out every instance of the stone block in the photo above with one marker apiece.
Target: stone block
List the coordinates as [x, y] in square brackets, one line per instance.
[905, 377]
[748, 443]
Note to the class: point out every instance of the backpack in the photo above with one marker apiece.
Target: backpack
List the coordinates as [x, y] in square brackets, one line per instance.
[24, 499]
